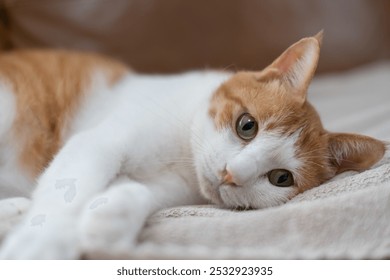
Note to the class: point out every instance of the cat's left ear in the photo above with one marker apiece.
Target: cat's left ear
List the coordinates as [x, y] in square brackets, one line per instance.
[295, 67]
[354, 152]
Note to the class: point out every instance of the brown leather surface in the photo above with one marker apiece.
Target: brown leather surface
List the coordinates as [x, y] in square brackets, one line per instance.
[175, 35]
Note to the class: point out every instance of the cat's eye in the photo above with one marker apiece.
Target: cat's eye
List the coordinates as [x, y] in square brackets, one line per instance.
[246, 127]
[280, 178]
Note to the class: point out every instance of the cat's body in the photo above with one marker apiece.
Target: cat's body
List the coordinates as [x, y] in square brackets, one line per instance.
[146, 104]
[126, 145]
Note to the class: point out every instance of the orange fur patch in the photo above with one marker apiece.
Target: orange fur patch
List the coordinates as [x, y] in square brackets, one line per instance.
[48, 86]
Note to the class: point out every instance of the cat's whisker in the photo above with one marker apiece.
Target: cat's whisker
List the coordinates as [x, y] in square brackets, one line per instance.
[322, 149]
[226, 68]
[316, 157]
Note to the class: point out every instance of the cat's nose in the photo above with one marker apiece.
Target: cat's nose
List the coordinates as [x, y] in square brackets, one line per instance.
[228, 178]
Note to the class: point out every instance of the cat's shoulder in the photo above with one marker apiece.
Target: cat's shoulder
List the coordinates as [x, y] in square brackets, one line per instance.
[40, 91]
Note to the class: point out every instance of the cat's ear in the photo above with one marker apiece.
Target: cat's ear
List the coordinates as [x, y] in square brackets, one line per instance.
[354, 152]
[295, 67]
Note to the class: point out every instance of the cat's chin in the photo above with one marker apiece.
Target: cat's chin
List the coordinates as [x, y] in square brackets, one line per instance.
[247, 198]
[231, 197]
[224, 196]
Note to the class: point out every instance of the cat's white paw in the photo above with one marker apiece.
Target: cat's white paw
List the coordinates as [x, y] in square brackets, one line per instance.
[34, 239]
[110, 223]
[106, 231]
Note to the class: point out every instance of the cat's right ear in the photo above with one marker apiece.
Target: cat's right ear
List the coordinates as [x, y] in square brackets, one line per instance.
[295, 67]
[354, 152]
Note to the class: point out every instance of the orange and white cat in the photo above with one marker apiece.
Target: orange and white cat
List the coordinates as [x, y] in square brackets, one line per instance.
[99, 148]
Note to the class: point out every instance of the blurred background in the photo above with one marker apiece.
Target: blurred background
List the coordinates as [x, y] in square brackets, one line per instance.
[158, 36]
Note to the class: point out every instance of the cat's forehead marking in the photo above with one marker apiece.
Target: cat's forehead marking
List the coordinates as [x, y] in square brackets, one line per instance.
[267, 102]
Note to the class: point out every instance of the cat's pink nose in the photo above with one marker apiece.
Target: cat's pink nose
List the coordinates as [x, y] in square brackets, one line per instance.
[228, 178]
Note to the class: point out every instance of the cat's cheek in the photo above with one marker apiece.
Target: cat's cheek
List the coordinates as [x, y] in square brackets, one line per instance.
[209, 190]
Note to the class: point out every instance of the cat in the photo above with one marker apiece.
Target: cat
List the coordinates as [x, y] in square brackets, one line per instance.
[99, 148]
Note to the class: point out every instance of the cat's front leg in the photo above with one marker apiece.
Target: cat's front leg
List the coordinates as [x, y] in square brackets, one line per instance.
[111, 222]
[83, 168]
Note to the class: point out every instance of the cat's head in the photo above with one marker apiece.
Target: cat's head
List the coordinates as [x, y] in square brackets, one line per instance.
[263, 143]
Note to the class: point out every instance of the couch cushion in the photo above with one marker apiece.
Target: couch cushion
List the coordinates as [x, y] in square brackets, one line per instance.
[173, 35]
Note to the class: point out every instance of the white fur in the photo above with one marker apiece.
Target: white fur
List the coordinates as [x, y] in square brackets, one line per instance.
[151, 140]
[11, 213]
